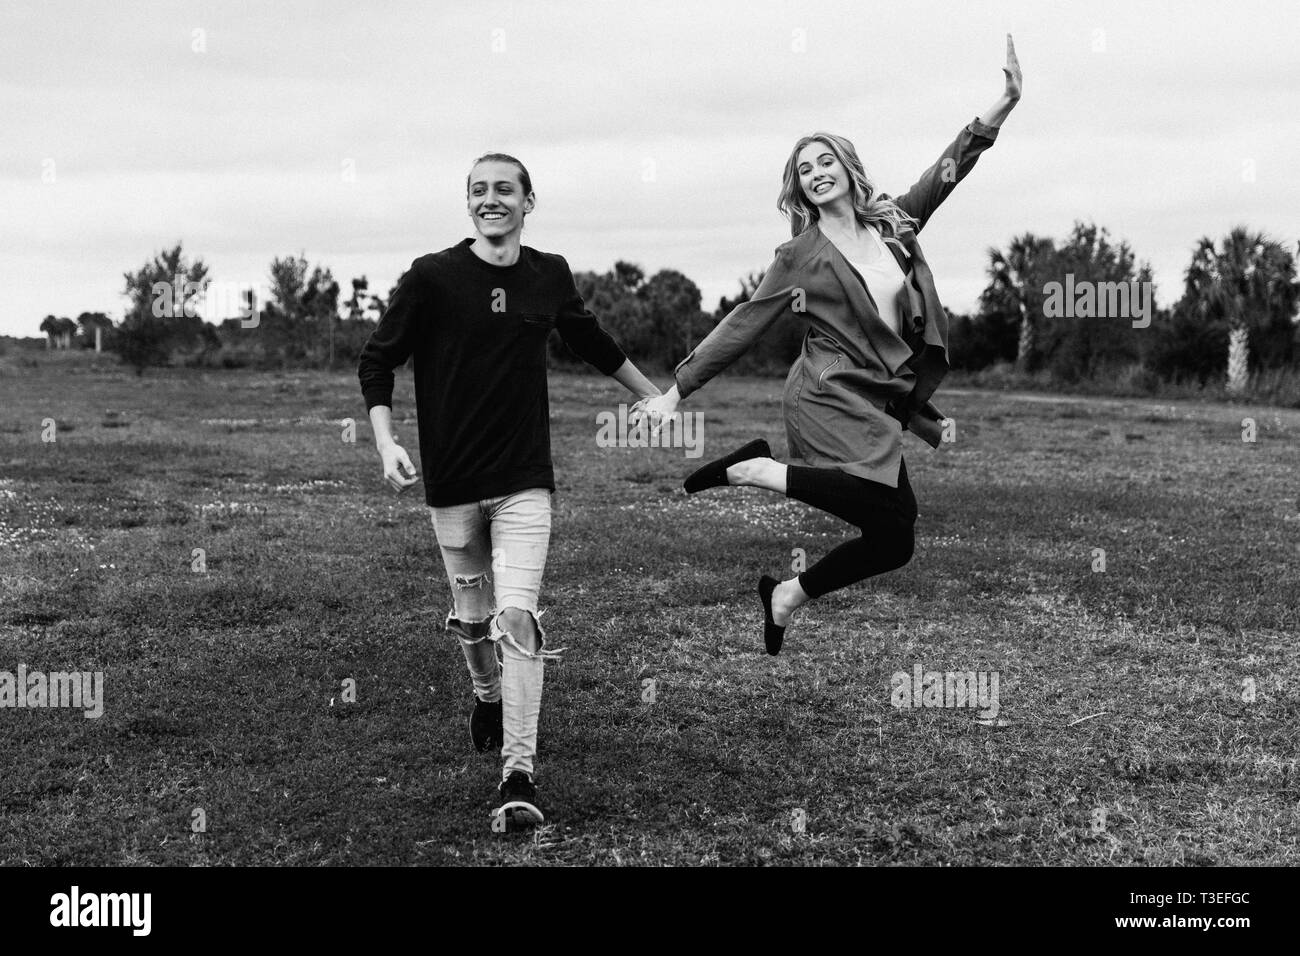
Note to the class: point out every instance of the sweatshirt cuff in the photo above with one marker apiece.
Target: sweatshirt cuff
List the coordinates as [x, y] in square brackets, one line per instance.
[611, 362]
[377, 396]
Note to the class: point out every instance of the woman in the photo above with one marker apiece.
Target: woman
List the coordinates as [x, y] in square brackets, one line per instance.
[875, 351]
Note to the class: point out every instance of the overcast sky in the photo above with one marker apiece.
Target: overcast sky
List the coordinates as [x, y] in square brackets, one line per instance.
[655, 132]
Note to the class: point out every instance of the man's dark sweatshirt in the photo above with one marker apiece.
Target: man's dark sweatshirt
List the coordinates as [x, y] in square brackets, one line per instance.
[478, 333]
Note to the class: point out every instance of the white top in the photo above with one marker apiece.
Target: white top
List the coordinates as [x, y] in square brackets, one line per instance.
[885, 281]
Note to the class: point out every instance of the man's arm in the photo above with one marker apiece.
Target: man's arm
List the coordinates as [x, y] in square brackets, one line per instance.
[630, 377]
[398, 470]
[389, 346]
[585, 337]
[393, 340]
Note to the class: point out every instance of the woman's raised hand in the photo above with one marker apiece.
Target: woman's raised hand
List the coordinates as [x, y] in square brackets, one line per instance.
[1012, 70]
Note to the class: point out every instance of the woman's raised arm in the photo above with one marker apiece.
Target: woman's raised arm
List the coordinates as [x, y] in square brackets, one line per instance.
[996, 113]
[937, 183]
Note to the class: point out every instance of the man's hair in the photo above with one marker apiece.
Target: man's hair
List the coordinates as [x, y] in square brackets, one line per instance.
[524, 179]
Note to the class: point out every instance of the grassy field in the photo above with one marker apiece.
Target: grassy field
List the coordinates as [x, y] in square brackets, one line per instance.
[1126, 732]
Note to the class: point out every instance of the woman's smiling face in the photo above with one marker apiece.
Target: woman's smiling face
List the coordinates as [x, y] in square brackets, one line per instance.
[822, 177]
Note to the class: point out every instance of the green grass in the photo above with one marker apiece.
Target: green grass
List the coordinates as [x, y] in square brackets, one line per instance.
[219, 684]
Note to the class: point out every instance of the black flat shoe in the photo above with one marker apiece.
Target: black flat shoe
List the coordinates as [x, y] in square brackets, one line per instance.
[773, 633]
[714, 473]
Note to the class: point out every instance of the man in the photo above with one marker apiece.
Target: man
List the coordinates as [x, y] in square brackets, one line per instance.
[477, 316]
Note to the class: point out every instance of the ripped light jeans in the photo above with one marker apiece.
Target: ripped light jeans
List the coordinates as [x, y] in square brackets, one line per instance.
[494, 552]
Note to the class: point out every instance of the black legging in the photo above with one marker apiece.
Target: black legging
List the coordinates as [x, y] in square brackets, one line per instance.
[884, 515]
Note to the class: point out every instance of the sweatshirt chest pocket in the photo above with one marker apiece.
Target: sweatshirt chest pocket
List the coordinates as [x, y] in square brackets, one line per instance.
[534, 329]
[533, 322]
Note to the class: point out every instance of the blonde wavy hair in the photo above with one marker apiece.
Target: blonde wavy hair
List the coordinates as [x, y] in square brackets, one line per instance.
[886, 215]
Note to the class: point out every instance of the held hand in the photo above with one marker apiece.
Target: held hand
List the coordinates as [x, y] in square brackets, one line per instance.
[635, 413]
[396, 462]
[1012, 70]
[653, 410]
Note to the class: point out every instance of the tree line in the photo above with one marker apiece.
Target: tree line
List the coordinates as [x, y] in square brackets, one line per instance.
[1236, 316]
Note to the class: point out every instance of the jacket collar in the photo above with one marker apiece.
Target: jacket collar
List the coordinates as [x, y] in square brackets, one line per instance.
[894, 352]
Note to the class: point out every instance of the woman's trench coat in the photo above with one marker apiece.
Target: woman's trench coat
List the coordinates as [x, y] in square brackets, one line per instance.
[856, 384]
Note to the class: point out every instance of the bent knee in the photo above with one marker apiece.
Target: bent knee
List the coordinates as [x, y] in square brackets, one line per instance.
[895, 549]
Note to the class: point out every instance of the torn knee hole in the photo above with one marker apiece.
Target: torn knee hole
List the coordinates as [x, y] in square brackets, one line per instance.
[469, 632]
[508, 620]
[514, 618]
[466, 581]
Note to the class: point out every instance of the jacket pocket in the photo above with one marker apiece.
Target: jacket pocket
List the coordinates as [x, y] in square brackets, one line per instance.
[822, 377]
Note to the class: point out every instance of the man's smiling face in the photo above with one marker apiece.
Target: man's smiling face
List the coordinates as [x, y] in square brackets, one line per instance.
[497, 202]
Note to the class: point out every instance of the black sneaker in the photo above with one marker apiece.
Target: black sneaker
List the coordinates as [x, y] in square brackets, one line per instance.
[485, 730]
[518, 809]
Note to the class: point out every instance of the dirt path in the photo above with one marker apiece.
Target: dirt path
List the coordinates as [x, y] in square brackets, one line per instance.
[1289, 415]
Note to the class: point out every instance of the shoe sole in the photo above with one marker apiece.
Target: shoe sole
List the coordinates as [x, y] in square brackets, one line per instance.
[517, 815]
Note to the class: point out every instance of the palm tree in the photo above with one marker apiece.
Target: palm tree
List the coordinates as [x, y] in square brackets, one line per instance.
[1013, 282]
[1249, 285]
[50, 326]
[66, 329]
[93, 325]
